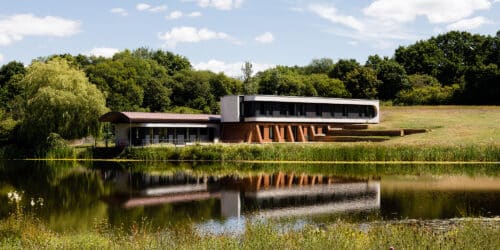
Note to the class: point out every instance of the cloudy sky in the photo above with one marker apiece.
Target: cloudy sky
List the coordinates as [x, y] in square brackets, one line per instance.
[221, 34]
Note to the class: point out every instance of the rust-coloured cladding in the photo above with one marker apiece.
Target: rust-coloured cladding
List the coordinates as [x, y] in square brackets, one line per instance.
[146, 117]
[236, 132]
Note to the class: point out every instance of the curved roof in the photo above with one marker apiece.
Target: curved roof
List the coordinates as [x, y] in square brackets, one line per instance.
[143, 117]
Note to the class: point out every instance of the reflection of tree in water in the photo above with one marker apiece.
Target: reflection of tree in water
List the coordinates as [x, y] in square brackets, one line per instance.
[430, 204]
[166, 214]
[64, 185]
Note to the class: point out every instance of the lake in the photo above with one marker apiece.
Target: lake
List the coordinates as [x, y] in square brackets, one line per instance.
[221, 197]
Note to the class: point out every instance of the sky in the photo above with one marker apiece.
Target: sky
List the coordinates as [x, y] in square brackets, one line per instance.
[220, 35]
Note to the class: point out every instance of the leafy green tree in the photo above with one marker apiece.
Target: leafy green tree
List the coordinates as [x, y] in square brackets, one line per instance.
[342, 68]
[10, 75]
[427, 95]
[362, 82]
[171, 62]
[284, 81]
[374, 61]
[58, 98]
[391, 74]
[424, 57]
[193, 89]
[422, 80]
[222, 85]
[483, 85]
[131, 83]
[327, 87]
[157, 95]
[7, 126]
[449, 56]
[249, 85]
[319, 66]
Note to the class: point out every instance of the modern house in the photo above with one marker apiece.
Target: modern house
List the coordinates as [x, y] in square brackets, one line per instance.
[143, 128]
[246, 118]
[263, 118]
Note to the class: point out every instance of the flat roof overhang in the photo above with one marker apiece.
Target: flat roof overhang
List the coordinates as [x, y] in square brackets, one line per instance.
[147, 117]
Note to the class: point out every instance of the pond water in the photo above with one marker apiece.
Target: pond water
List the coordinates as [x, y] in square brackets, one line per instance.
[70, 195]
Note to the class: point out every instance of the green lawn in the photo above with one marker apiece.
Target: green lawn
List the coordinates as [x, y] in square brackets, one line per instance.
[450, 125]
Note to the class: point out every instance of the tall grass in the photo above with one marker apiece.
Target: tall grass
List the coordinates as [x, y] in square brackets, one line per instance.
[362, 170]
[21, 232]
[317, 152]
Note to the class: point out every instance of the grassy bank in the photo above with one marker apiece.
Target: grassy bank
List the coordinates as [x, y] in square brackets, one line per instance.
[318, 152]
[450, 125]
[24, 232]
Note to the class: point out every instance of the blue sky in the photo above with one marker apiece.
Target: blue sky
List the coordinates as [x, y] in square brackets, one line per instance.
[221, 34]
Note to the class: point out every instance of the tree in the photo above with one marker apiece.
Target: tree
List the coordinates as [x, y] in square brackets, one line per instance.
[249, 86]
[319, 66]
[10, 75]
[393, 78]
[222, 85]
[58, 98]
[327, 87]
[449, 56]
[427, 95]
[419, 80]
[342, 68]
[424, 57]
[132, 83]
[362, 83]
[483, 85]
[7, 126]
[284, 81]
[192, 89]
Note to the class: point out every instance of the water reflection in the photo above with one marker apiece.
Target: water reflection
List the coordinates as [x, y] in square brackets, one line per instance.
[77, 194]
[264, 195]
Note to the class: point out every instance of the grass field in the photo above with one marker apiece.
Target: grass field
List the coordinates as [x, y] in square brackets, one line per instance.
[450, 125]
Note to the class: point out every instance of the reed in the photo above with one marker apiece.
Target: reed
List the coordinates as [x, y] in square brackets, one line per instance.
[361, 170]
[317, 152]
[27, 232]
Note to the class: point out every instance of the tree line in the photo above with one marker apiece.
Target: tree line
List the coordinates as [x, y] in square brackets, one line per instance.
[65, 94]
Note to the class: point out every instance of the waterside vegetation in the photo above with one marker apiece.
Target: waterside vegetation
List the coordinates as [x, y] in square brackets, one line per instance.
[20, 231]
[317, 152]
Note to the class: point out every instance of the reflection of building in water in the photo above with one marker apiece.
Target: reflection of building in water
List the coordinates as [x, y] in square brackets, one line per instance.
[291, 195]
[268, 195]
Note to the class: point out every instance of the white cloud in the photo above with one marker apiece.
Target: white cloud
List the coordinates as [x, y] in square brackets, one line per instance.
[159, 8]
[220, 4]
[103, 51]
[377, 33]
[468, 24]
[265, 38]
[16, 27]
[187, 34]
[442, 11]
[119, 11]
[330, 13]
[142, 6]
[1, 58]
[230, 69]
[175, 15]
[194, 14]
[149, 8]
[178, 14]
